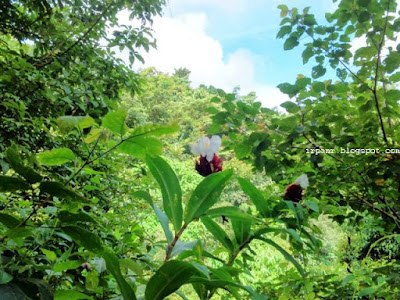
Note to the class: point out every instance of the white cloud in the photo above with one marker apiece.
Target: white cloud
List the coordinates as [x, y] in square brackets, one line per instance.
[182, 42]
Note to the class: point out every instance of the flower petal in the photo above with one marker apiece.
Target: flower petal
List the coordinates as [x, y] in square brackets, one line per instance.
[303, 181]
[204, 144]
[210, 156]
[215, 143]
[195, 148]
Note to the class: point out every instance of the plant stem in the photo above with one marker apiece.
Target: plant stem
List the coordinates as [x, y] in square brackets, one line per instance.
[174, 241]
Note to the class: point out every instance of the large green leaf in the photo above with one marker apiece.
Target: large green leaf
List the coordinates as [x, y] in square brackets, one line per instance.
[218, 233]
[16, 162]
[56, 157]
[57, 189]
[11, 291]
[285, 254]
[170, 277]
[141, 146]
[66, 123]
[170, 189]
[206, 194]
[255, 196]
[115, 121]
[12, 184]
[155, 130]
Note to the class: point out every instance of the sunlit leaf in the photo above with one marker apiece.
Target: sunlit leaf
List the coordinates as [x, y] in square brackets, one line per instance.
[56, 157]
[206, 194]
[170, 189]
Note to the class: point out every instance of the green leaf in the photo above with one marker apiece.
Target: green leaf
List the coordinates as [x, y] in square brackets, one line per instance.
[182, 246]
[218, 233]
[67, 265]
[285, 254]
[243, 149]
[9, 221]
[366, 291]
[141, 146]
[307, 54]
[92, 280]
[312, 205]
[155, 130]
[241, 230]
[115, 121]
[290, 43]
[85, 238]
[288, 89]
[16, 162]
[143, 195]
[255, 196]
[51, 256]
[57, 189]
[206, 194]
[318, 71]
[18, 232]
[170, 277]
[56, 157]
[309, 20]
[94, 135]
[12, 184]
[131, 265]
[170, 189]
[284, 31]
[5, 277]
[112, 265]
[231, 212]
[70, 295]
[66, 123]
[164, 223]
[11, 291]
[67, 217]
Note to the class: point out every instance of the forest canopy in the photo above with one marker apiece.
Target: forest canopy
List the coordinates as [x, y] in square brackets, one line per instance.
[123, 184]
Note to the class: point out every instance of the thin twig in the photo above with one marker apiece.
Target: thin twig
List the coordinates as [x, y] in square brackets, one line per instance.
[374, 91]
[174, 241]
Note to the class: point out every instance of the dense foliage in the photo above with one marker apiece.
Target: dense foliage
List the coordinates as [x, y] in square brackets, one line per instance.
[99, 194]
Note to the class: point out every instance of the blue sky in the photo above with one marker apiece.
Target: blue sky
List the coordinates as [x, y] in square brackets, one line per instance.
[227, 43]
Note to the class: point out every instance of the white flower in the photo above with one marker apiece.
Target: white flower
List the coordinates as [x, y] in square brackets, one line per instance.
[206, 147]
[303, 181]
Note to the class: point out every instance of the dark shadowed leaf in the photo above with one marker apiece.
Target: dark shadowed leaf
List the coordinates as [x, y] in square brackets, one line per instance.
[57, 189]
[12, 184]
[170, 277]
